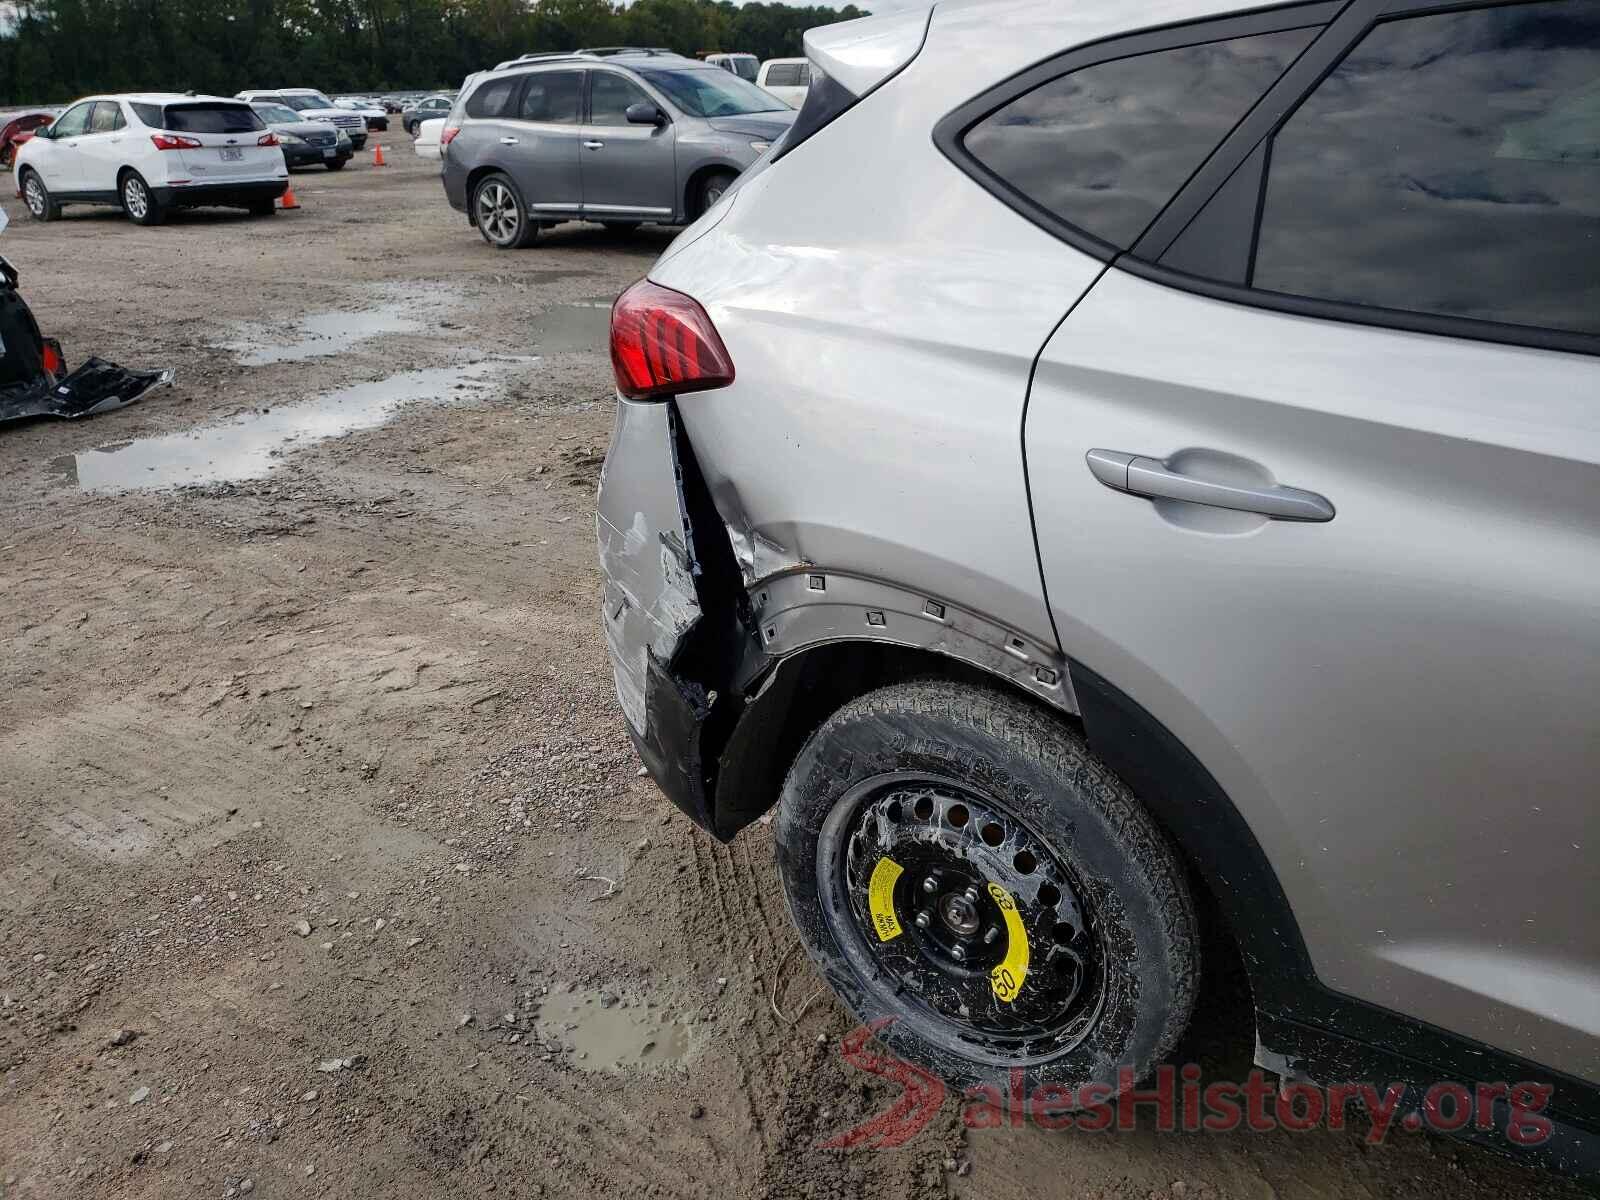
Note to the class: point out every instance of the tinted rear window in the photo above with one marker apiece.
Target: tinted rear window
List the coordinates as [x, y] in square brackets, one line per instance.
[1105, 147]
[552, 97]
[212, 117]
[1450, 165]
[493, 99]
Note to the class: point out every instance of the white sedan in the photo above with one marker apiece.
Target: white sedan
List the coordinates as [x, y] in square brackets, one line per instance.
[427, 143]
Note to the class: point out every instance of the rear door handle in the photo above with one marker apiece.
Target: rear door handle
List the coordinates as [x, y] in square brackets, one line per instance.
[1139, 475]
[594, 145]
[508, 141]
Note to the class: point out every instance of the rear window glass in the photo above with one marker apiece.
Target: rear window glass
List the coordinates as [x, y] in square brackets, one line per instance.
[552, 96]
[150, 114]
[493, 99]
[212, 118]
[784, 75]
[1105, 147]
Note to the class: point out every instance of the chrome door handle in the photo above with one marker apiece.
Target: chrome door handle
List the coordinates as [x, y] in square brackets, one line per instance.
[594, 145]
[508, 141]
[1139, 475]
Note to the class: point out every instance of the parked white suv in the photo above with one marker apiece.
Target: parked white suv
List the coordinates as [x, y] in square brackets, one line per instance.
[789, 79]
[312, 105]
[150, 153]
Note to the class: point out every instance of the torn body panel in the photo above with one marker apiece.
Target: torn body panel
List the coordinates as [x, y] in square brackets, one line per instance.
[33, 378]
[710, 664]
[96, 387]
[649, 595]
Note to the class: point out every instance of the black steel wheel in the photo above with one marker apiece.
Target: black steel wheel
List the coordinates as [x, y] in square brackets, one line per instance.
[958, 862]
[969, 910]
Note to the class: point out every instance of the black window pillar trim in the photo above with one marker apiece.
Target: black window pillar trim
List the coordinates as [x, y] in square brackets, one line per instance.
[1263, 119]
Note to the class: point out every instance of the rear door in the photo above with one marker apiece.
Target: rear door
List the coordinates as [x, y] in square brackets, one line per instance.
[628, 170]
[1317, 482]
[542, 142]
[59, 158]
[230, 150]
[101, 150]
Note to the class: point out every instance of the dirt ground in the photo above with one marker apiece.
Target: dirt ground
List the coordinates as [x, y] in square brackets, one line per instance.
[327, 867]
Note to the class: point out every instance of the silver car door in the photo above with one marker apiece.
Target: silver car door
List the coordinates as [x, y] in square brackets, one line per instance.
[541, 141]
[1320, 491]
[628, 170]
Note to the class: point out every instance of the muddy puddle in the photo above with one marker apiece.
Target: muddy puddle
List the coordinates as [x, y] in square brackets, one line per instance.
[607, 1032]
[252, 444]
[573, 328]
[319, 334]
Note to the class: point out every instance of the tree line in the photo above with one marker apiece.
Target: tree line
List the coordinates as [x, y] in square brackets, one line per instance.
[55, 50]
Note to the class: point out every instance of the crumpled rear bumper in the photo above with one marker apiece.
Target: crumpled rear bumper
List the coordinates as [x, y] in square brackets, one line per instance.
[650, 601]
[671, 605]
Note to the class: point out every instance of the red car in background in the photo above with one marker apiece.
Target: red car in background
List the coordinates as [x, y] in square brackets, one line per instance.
[18, 130]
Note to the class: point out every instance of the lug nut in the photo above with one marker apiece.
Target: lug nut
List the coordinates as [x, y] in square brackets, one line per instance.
[957, 953]
[971, 894]
[990, 934]
[922, 920]
[930, 884]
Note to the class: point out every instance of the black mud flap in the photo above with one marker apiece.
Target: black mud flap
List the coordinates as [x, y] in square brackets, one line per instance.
[97, 386]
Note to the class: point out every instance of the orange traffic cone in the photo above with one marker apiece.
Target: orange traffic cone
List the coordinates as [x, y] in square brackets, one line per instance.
[288, 200]
[377, 155]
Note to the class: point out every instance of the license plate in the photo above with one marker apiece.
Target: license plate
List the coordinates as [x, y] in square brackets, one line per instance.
[232, 154]
[330, 152]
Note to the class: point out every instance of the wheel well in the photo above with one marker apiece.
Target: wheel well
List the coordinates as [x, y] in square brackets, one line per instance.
[691, 189]
[809, 687]
[803, 692]
[476, 177]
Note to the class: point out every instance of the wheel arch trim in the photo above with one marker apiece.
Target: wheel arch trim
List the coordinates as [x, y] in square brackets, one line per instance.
[809, 607]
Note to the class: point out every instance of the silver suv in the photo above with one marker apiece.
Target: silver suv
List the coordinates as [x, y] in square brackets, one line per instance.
[619, 137]
[1091, 476]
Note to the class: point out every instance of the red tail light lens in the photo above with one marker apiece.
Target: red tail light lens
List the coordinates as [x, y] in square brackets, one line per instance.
[448, 134]
[54, 365]
[267, 139]
[663, 343]
[172, 141]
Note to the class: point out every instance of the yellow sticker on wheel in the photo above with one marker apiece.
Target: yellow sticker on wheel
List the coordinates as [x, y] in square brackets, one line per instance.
[1008, 974]
[880, 899]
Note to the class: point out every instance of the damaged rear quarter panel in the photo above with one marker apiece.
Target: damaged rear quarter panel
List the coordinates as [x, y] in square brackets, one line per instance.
[649, 595]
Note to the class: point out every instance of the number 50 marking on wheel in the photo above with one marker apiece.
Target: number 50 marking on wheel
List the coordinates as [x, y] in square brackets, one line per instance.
[1007, 977]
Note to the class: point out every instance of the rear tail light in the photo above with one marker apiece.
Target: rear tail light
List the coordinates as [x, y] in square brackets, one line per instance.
[448, 134]
[55, 363]
[663, 343]
[172, 141]
[267, 139]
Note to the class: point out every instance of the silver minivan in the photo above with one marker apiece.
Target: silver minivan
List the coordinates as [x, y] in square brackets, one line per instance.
[1121, 474]
[620, 138]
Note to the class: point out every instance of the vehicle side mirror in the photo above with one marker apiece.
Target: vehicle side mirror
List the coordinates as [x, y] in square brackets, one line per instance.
[45, 131]
[645, 113]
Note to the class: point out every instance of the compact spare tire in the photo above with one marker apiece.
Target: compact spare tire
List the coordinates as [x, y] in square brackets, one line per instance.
[959, 863]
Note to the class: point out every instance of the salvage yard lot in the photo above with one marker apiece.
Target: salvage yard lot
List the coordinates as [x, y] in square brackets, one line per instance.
[326, 861]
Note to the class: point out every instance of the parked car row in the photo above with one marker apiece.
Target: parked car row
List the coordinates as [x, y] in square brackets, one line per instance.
[312, 105]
